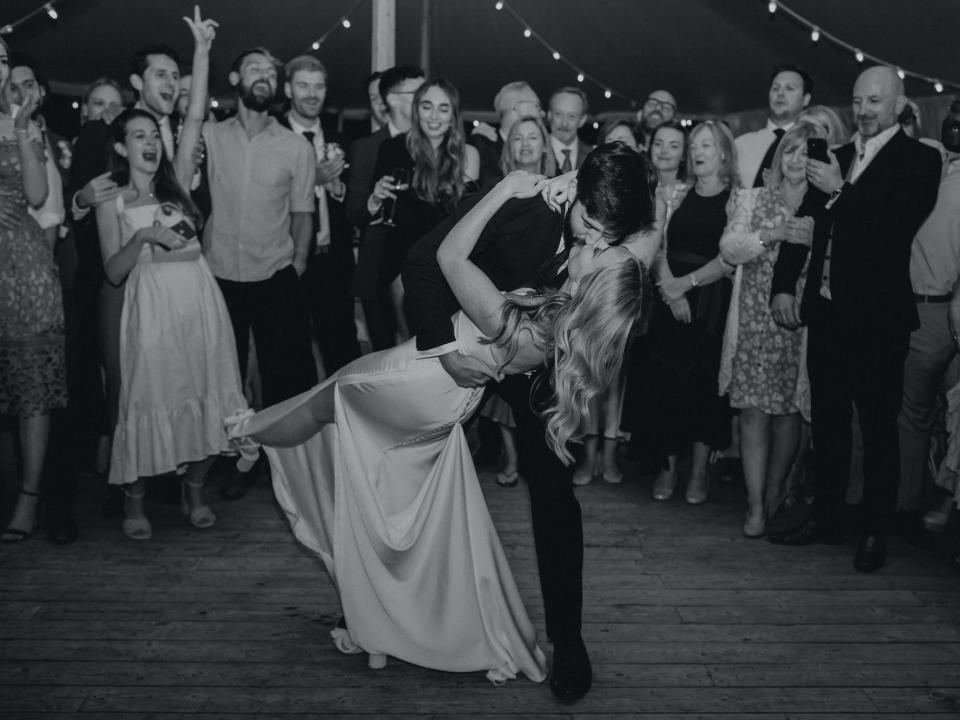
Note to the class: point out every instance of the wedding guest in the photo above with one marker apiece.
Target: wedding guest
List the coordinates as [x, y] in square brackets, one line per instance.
[528, 148]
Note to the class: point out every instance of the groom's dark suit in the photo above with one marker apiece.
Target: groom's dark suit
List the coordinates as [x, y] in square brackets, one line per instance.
[859, 337]
[515, 249]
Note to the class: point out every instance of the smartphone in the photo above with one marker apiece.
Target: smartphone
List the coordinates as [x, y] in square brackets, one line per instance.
[817, 149]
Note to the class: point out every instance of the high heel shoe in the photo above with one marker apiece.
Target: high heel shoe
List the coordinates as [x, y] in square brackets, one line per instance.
[697, 489]
[664, 485]
[13, 535]
[202, 516]
[136, 528]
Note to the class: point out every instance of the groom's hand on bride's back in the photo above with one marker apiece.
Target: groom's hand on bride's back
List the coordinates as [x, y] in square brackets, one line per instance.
[467, 371]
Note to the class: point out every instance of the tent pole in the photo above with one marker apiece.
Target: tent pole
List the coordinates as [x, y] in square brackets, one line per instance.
[425, 38]
[383, 48]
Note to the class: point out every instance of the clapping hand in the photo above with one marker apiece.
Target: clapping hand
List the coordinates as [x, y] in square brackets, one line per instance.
[561, 190]
[204, 31]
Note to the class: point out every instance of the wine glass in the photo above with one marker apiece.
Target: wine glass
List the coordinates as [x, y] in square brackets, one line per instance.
[401, 179]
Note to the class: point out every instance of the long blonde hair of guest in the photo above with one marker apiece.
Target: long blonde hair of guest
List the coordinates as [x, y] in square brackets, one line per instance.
[584, 338]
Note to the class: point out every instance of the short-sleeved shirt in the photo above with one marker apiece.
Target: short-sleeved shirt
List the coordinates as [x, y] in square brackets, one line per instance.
[255, 184]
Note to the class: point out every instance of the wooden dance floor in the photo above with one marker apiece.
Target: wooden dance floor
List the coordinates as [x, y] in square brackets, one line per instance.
[684, 618]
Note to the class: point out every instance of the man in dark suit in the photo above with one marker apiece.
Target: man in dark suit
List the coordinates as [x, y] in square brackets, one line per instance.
[397, 86]
[330, 265]
[525, 244]
[567, 112]
[860, 308]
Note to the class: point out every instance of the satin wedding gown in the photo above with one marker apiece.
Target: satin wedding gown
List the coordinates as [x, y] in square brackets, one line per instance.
[379, 482]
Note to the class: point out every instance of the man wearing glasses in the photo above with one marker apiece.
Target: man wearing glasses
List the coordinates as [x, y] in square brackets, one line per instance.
[660, 107]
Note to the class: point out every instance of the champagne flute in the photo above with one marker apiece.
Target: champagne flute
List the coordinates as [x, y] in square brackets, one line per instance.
[401, 179]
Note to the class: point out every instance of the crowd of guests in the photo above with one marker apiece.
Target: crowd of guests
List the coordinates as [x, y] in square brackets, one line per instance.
[803, 273]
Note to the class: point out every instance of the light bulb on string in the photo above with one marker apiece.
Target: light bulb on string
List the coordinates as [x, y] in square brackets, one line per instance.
[901, 74]
[815, 35]
[607, 94]
[346, 23]
[51, 12]
[498, 6]
[556, 55]
[75, 105]
[579, 77]
[316, 45]
[7, 29]
[527, 32]
[938, 86]
[859, 56]
[772, 6]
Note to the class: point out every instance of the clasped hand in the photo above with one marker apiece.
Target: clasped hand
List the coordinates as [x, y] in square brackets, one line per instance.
[163, 237]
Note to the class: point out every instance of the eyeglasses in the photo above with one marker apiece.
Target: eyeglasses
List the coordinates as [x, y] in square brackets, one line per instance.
[661, 105]
[402, 92]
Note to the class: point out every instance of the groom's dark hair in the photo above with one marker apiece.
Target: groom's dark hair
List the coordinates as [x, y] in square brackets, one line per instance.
[616, 185]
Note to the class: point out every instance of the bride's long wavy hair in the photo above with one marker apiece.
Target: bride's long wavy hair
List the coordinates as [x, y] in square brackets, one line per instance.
[584, 338]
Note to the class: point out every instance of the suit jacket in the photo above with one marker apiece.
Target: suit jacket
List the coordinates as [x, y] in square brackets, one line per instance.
[583, 149]
[489, 152]
[513, 250]
[89, 160]
[874, 222]
[340, 229]
[360, 180]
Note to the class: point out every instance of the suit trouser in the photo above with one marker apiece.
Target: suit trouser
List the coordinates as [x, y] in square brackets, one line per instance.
[931, 350]
[327, 291]
[557, 522]
[850, 364]
[273, 309]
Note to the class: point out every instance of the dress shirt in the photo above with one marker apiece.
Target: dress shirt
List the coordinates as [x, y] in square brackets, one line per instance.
[255, 184]
[323, 210]
[752, 146]
[559, 148]
[935, 253]
[867, 150]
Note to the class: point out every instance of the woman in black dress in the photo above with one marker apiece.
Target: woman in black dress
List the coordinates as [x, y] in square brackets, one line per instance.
[425, 172]
[677, 389]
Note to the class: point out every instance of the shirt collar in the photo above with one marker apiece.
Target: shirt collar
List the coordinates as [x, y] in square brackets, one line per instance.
[301, 129]
[875, 143]
[392, 129]
[772, 126]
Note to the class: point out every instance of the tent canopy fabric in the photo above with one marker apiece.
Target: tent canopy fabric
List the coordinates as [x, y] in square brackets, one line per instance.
[715, 56]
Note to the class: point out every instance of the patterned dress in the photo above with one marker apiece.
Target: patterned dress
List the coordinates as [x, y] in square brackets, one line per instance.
[766, 362]
[32, 363]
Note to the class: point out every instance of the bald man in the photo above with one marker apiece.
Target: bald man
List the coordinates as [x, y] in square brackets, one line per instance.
[860, 308]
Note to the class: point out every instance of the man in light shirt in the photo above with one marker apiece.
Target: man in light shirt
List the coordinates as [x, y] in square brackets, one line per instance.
[567, 113]
[789, 93]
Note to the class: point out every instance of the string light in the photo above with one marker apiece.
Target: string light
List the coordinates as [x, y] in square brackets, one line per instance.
[499, 6]
[816, 34]
[938, 86]
[47, 7]
[580, 77]
[342, 22]
[75, 105]
[556, 55]
[607, 94]
[527, 32]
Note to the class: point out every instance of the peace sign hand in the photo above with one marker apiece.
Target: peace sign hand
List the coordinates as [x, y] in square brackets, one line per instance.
[204, 31]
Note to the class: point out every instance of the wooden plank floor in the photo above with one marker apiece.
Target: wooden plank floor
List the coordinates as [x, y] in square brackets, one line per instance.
[684, 618]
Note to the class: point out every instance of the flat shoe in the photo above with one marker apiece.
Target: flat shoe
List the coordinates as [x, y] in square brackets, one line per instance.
[137, 528]
[12, 535]
[697, 491]
[754, 530]
[507, 479]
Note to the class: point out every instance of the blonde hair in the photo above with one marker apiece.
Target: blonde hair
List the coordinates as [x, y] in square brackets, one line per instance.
[547, 165]
[723, 139]
[792, 138]
[584, 338]
[827, 118]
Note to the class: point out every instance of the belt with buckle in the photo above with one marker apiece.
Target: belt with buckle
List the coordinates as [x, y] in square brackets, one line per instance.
[933, 299]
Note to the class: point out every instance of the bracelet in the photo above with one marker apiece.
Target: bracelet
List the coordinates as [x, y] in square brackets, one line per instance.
[693, 280]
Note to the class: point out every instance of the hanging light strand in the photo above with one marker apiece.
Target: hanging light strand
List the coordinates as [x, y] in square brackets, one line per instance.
[342, 22]
[581, 76]
[46, 8]
[817, 33]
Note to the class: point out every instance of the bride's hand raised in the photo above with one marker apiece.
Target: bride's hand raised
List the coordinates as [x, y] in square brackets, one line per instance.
[521, 184]
[560, 190]
[204, 31]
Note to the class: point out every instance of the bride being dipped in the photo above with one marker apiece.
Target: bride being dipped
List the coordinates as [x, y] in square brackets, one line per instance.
[374, 472]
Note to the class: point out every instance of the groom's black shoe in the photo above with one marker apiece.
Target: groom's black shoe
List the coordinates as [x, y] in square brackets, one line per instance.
[572, 675]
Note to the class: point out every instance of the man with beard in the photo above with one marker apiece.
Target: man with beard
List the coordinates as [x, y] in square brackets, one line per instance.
[789, 94]
[860, 309]
[330, 264]
[260, 231]
[660, 108]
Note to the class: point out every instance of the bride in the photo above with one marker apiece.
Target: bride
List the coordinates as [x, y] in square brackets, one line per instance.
[374, 472]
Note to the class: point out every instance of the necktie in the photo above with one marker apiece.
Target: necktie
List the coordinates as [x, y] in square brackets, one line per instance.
[321, 221]
[166, 136]
[566, 166]
[768, 157]
[825, 275]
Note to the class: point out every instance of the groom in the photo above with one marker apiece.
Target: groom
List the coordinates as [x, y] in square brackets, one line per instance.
[525, 245]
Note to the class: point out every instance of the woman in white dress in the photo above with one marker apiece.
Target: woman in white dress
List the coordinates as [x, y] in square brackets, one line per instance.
[179, 371]
[375, 475]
